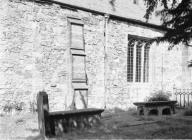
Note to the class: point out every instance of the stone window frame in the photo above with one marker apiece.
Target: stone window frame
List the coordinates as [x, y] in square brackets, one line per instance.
[144, 67]
[76, 51]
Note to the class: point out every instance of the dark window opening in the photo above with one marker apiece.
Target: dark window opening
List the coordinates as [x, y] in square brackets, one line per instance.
[166, 111]
[153, 112]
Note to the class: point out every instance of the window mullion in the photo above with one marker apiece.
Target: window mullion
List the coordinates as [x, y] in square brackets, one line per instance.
[134, 61]
[142, 61]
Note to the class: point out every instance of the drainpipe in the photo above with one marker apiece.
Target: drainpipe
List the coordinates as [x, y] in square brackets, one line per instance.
[105, 56]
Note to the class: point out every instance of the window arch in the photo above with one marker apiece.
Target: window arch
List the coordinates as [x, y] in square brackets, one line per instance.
[138, 59]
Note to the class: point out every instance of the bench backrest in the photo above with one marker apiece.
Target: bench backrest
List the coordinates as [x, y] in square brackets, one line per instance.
[43, 112]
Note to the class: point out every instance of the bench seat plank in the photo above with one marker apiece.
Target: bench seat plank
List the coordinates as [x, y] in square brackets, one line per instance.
[88, 111]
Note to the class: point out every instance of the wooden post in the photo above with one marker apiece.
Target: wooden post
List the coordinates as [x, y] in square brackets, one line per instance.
[43, 113]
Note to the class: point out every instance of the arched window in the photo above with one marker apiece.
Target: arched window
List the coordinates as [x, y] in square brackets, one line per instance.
[130, 60]
[138, 59]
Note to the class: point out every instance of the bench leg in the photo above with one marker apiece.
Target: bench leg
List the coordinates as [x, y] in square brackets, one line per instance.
[140, 110]
[145, 111]
[160, 111]
[52, 127]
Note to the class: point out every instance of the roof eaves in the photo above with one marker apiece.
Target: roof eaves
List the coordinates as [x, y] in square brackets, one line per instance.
[112, 16]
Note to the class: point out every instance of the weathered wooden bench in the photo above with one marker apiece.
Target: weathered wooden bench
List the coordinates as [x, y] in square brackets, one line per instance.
[156, 107]
[56, 123]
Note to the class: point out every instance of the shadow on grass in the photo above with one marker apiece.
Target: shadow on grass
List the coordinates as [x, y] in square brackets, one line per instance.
[118, 111]
[38, 137]
[32, 130]
[173, 132]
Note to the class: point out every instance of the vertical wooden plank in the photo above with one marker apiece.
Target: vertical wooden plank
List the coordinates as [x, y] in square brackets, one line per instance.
[43, 113]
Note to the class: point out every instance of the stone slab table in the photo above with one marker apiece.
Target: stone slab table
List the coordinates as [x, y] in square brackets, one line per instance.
[155, 108]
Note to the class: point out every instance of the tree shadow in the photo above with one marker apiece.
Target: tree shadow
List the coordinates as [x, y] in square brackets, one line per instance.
[38, 137]
[32, 130]
[112, 3]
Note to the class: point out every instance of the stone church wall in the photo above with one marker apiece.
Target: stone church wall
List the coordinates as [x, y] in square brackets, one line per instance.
[35, 56]
[35, 53]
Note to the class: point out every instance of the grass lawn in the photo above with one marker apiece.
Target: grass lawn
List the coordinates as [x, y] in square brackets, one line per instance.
[121, 125]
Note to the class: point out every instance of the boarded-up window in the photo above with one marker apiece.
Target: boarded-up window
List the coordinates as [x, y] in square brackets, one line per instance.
[78, 67]
[77, 36]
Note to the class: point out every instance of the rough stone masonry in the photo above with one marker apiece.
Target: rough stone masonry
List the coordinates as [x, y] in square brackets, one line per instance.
[35, 56]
